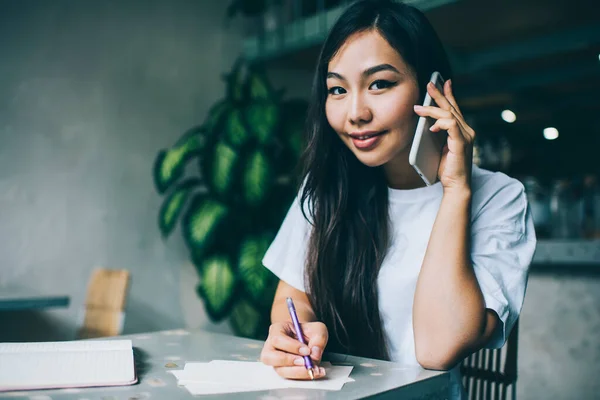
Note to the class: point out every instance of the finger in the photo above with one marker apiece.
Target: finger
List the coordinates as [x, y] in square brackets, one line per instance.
[441, 112]
[450, 97]
[443, 102]
[317, 343]
[449, 93]
[433, 112]
[438, 113]
[277, 358]
[287, 344]
[300, 373]
[451, 126]
[438, 97]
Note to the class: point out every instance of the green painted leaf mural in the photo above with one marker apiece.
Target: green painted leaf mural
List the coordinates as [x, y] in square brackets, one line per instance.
[217, 114]
[258, 88]
[253, 274]
[257, 177]
[173, 205]
[231, 203]
[217, 286]
[170, 163]
[263, 119]
[202, 220]
[246, 320]
[235, 131]
[222, 173]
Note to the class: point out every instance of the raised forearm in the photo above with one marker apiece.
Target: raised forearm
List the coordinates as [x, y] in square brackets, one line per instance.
[449, 316]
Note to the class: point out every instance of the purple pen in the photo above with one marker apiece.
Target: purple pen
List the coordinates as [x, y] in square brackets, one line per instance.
[307, 361]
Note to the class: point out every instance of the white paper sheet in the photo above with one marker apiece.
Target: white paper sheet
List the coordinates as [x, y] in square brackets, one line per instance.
[222, 376]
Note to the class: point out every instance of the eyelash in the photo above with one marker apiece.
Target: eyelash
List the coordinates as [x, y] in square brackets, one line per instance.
[379, 82]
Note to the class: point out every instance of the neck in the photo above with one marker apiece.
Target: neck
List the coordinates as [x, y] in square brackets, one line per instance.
[400, 174]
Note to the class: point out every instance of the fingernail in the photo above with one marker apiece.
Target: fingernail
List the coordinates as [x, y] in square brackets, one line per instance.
[304, 351]
[322, 371]
[450, 82]
[432, 128]
[298, 361]
[417, 107]
[315, 351]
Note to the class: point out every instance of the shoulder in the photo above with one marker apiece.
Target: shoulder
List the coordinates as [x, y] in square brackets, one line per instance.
[498, 199]
[486, 184]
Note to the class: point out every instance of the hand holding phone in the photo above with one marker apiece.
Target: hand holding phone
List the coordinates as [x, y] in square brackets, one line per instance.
[426, 150]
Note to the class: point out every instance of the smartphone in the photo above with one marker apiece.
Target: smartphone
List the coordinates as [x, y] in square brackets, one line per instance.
[426, 150]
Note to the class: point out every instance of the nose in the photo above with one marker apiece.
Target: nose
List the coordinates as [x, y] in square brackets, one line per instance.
[359, 112]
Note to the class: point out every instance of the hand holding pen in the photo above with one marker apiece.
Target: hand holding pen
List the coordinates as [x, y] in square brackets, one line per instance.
[293, 358]
[300, 336]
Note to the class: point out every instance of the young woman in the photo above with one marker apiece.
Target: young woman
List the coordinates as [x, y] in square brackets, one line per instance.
[377, 263]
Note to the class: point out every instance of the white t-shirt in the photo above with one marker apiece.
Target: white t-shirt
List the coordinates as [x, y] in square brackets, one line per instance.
[502, 246]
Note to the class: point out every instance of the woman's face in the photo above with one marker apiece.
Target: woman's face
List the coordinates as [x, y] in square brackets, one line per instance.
[371, 94]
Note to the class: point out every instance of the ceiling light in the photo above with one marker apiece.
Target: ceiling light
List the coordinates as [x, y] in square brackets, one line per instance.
[550, 133]
[509, 116]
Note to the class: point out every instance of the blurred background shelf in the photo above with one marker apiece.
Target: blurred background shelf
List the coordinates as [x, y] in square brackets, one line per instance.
[537, 59]
[564, 251]
[300, 25]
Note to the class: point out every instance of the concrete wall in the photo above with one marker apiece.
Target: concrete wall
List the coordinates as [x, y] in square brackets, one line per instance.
[559, 335]
[90, 91]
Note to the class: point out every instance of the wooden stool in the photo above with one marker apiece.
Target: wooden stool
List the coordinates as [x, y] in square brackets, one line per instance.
[105, 303]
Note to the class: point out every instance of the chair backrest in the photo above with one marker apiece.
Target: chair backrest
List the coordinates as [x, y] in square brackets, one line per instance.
[105, 303]
[488, 374]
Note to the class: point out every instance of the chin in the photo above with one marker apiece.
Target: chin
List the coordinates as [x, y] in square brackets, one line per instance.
[371, 160]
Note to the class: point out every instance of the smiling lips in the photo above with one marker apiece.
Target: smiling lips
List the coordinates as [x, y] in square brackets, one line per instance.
[365, 140]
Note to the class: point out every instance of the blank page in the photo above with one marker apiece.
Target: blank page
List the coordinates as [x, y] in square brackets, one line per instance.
[222, 376]
[66, 364]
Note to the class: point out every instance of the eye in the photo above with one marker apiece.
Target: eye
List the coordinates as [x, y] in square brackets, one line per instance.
[382, 84]
[336, 90]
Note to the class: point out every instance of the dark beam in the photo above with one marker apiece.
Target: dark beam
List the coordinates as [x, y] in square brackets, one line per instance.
[513, 83]
[529, 49]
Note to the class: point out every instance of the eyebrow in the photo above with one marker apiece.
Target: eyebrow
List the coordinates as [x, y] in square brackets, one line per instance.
[367, 72]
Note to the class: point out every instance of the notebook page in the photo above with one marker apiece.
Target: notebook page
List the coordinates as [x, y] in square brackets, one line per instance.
[76, 345]
[66, 364]
[221, 376]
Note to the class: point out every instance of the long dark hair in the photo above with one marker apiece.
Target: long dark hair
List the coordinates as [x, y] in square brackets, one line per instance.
[347, 202]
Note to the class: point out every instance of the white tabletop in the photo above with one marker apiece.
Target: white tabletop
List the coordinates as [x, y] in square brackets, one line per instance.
[159, 352]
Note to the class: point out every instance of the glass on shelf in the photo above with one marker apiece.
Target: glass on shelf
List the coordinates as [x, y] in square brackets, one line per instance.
[564, 211]
[590, 208]
[539, 204]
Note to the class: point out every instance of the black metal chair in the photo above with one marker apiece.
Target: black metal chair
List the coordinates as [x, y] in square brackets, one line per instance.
[490, 373]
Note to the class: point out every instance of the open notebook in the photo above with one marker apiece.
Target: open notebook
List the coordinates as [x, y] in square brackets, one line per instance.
[45, 365]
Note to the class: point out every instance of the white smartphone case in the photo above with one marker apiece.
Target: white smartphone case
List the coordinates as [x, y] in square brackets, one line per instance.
[426, 152]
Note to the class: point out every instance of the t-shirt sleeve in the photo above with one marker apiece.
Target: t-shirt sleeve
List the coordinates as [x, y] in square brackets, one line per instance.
[287, 254]
[502, 246]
